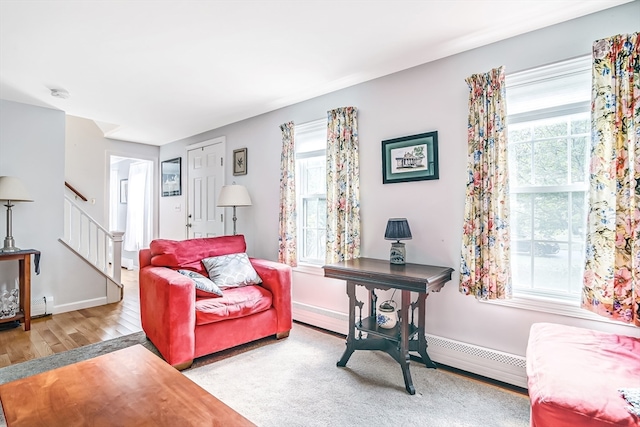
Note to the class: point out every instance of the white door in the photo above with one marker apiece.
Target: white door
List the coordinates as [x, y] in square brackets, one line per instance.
[206, 175]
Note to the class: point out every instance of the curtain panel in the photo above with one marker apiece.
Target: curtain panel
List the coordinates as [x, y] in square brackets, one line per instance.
[611, 285]
[343, 185]
[287, 246]
[485, 269]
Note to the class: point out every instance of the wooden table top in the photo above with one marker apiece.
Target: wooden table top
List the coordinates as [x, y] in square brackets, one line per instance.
[131, 387]
[412, 277]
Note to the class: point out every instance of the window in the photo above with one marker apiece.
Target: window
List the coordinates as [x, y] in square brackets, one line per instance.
[311, 192]
[548, 132]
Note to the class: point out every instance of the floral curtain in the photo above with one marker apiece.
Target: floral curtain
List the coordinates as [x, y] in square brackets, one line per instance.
[287, 251]
[611, 284]
[343, 185]
[485, 257]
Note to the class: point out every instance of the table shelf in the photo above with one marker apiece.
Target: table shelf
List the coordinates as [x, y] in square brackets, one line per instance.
[370, 326]
[19, 316]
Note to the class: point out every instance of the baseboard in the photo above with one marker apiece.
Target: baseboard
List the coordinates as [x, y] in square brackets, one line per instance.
[79, 305]
[321, 317]
[497, 365]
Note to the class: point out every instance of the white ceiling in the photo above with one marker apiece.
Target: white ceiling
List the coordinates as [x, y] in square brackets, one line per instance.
[157, 71]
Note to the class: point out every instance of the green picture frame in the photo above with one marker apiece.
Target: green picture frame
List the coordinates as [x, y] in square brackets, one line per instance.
[410, 158]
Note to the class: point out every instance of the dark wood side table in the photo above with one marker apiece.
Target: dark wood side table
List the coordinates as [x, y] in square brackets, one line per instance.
[24, 276]
[405, 336]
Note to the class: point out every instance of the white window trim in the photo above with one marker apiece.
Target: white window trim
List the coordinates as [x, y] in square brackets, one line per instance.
[553, 306]
[314, 269]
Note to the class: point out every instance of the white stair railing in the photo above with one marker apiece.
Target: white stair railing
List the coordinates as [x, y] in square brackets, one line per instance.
[98, 246]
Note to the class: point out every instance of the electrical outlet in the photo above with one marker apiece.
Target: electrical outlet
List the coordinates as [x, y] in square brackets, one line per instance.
[41, 306]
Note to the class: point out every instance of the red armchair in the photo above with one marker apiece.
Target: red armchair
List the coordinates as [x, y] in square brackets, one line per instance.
[184, 325]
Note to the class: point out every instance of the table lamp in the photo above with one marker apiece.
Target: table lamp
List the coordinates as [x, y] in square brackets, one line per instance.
[232, 196]
[397, 229]
[11, 190]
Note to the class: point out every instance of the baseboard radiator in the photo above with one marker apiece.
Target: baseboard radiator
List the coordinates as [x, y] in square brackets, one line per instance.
[497, 365]
[505, 367]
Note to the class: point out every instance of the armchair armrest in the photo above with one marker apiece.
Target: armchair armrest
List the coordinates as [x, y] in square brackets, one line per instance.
[167, 311]
[276, 277]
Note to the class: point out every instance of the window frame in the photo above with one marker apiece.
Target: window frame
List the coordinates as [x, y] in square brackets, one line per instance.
[543, 303]
[300, 157]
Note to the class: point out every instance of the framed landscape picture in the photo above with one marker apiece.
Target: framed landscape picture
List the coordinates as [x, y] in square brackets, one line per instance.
[171, 171]
[410, 158]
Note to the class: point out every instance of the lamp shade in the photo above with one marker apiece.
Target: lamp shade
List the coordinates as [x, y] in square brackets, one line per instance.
[234, 195]
[397, 229]
[11, 188]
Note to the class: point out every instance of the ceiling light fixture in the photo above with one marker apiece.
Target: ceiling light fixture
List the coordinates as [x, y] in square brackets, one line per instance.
[59, 93]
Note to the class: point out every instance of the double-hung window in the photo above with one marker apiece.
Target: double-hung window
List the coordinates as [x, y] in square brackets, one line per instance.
[311, 191]
[548, 133]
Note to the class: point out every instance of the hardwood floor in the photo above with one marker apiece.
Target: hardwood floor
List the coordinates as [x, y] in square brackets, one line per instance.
[65, 331]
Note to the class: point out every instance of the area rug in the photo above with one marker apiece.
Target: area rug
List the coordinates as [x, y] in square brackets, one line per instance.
[295, 382]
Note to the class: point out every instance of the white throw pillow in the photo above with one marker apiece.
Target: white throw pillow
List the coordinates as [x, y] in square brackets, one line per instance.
[231, 271]
[203, 284]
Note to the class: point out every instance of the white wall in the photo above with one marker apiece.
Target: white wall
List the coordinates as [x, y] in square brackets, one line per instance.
[32, 148]
[431, 97]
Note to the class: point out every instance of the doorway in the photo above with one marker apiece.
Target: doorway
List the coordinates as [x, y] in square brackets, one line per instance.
[131, 205]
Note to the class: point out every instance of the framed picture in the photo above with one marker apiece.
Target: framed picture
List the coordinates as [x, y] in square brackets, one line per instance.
[171, 177]
[124, 186]
[240, 161]
[410, 158]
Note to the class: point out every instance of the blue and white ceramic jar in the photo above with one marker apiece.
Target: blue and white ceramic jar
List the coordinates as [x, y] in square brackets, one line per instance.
[386, 316]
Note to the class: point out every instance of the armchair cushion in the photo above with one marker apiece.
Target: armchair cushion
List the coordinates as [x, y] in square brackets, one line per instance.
[231, 271]
[237, 302]
[204, 286]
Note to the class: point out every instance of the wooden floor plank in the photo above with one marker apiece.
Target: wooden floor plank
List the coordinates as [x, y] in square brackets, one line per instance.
[66, 331]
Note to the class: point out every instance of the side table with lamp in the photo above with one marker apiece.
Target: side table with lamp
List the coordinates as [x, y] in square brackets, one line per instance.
[374, 274]
[12, 190]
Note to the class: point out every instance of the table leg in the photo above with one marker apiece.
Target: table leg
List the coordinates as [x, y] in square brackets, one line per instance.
[351, 336]
[422, 340]
[404, 342]
[24, 277]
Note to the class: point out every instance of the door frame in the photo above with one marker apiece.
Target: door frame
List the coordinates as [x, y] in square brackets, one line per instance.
[155, 225]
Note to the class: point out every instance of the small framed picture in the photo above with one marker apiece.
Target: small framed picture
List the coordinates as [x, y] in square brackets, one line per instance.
[124, 186]
[240, 161]
[410, 158]
[170, 171]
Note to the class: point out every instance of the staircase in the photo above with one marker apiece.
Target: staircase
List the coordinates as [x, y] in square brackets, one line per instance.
[100, 248]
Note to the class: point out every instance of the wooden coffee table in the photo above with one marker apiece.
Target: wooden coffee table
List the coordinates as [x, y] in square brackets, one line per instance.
[131, 387]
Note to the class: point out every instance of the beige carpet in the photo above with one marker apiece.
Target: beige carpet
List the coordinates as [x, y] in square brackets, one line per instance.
[295, 382]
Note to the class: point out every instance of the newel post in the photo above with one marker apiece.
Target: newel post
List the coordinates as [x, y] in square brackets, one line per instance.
[117, 255]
